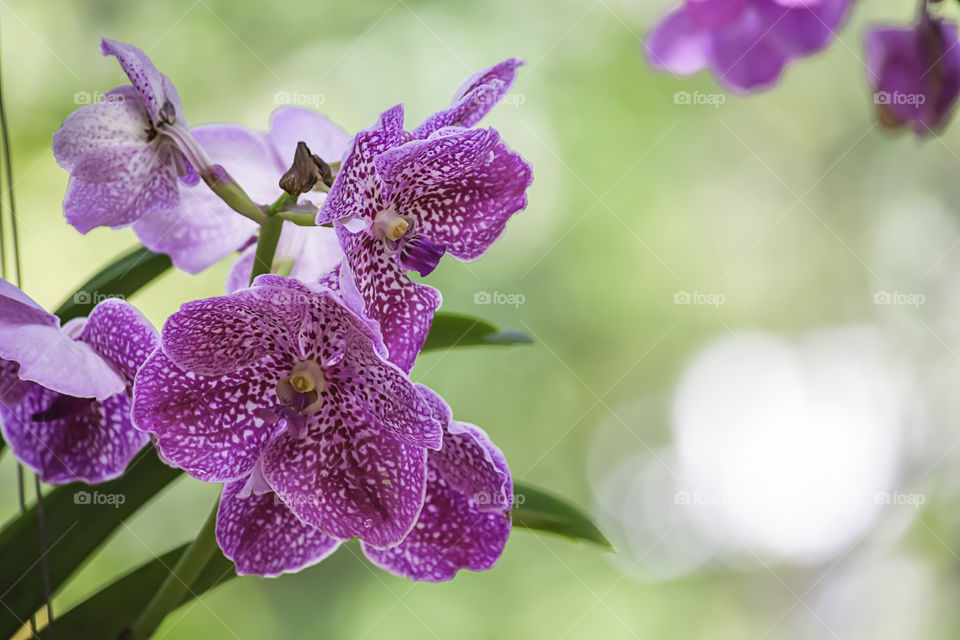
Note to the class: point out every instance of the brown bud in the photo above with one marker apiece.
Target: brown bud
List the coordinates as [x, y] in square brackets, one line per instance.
[307, 169]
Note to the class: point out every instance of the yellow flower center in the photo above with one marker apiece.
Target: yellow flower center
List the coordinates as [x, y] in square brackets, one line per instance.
[397, 228]
[302, 382]
[389, 226]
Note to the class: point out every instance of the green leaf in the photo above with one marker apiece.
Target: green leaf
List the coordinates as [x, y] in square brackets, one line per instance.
[124, 277]
[536, 509]
[455, 330]
[115, 608]
[78, 519]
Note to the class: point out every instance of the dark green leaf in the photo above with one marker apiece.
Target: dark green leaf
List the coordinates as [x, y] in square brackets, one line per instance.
[78, 520]
[455, 330]
[124, 277]
[536, 509]
[115, 608]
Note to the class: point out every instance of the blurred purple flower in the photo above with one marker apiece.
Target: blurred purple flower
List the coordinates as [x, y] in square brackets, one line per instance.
[65, 392]
[287, 378]
[746, 43]
[202, 229]
[915, 73]
[124, 154]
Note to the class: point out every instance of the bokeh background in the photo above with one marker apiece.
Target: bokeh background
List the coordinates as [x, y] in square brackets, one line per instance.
[746, 355]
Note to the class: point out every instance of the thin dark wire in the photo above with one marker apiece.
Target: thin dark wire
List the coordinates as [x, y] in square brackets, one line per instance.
[44, 561]
[41, 520]
[8, 166]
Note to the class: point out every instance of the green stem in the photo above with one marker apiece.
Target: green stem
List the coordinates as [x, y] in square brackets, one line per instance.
[281, 202]
[270, 230]
[177, 584]
[299, 219]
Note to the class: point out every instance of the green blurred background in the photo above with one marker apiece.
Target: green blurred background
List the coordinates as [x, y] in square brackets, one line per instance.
[792, 206]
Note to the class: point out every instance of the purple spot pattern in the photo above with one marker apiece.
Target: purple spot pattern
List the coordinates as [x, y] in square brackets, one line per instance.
[403, 309]
[346, 476]
[465, 521]
[462, 186]
[263, 537]
[68, 439]
[358, 465]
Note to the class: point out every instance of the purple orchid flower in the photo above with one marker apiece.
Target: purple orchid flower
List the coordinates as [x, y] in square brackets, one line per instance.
[464, 523]
[203, 229]
[402, 203]
[65, 392]
[746, 43]
[124, 154]
[915, 73]
[287, 377]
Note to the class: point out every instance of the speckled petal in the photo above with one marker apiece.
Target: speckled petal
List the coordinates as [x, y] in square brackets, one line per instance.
[474, 98]
[385, 395]
[119, 120]
[347, 477]
[403, 308]
[448, 154]
[263, 537]
[203, 229]
[451, 534]
[155, 88]
[465, 210]
[48, 355]
[220, 335]
[469, 461]
[67, 439]
[114, 186]
[465, 520]
[442, 412]
[207, 425]
[356, 192]
[121, 334]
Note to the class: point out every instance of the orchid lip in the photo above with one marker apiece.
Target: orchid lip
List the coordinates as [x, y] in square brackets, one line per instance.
[302, 390]
[391, 228]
